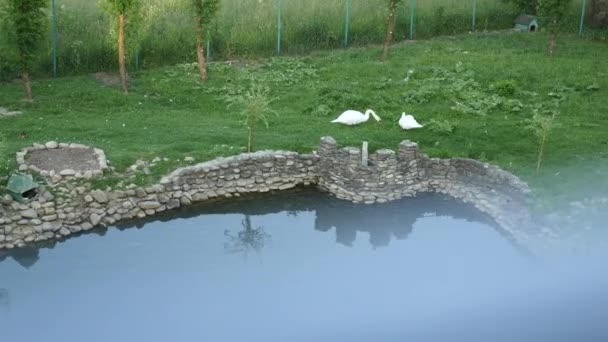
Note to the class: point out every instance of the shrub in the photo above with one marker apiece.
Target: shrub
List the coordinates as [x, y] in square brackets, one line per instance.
[255, 106]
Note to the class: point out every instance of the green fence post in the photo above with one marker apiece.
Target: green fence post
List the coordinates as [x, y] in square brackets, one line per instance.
[347, 23]
[412, 9]
[54, 37]
[474, 15]
[208, 45]
[279, 24]
[137, 59]
[580, 29]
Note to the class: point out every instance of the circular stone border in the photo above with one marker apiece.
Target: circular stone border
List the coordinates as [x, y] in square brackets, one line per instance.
[57, 176]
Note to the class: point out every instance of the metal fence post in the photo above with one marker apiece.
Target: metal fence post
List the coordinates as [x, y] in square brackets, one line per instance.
[347, 23]
[279, 25]
[412, 9]
[137, 59]
[583, 10]
[54, 37]
[208, 45]
[474, 15]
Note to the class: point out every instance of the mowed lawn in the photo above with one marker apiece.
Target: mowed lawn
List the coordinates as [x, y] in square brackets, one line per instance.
[475, 94]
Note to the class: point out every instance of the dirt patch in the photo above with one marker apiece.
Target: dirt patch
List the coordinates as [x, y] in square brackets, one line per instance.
[107, 79]
[77, 159]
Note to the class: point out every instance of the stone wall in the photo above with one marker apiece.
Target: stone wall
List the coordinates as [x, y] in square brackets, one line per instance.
[388, 176]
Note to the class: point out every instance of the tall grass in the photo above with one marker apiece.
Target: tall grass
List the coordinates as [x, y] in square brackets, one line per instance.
[248, 28]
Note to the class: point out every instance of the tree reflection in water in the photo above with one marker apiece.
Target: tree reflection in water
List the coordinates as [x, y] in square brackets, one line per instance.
[248, 239]
[3, 297]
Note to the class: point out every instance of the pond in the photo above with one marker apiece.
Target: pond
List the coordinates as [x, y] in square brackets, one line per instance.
[301, 266]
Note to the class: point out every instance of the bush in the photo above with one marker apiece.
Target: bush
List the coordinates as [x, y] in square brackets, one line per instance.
[506, 88]
[441, 126]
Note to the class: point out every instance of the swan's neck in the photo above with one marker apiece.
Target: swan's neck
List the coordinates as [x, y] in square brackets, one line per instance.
[370, 112]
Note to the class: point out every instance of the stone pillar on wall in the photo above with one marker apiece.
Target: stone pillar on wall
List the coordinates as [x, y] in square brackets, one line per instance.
[353, 157]
[410, 160]
[328, 150]
[408, 151]
[327, 147]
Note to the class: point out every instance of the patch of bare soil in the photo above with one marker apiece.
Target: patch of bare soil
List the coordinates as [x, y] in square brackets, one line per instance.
[107, 79]
[77, 159]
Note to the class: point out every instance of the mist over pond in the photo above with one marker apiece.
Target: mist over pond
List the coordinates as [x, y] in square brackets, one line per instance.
[302, 266]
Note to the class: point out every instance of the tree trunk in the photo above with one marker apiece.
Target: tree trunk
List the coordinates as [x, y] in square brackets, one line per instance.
[200, 52]
[27, 85]
[121, 53]
[250, 139]
[390, 27]
[541, 151]
[552, 40]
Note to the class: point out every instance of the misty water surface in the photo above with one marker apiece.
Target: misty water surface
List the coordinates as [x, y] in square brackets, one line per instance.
[302, 267]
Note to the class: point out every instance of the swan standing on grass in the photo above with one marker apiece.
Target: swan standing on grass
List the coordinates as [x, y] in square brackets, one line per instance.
[408, 122]
[353, 117]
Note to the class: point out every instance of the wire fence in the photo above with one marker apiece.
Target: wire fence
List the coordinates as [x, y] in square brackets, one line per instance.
[82, 35]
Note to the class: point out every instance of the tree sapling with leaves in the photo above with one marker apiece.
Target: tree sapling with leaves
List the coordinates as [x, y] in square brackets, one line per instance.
[542, 125]
[121, 8]
[28, 20]
[255, 106]
[552, 12]
[390, 27]
[205, 11]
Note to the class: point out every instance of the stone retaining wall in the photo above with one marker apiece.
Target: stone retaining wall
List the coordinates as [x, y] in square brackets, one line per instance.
[388, 176]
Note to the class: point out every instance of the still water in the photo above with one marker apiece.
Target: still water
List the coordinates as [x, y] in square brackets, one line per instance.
[302, 267]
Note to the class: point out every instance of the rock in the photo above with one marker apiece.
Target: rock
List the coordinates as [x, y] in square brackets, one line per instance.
[51, 144]
[172, 204]
[48, 196]
[199, 197]
[6, 199]
[29, 214]
[99, 196]
[35, 222]
[188, 159]
[148, 205]
[64, 231]
[95, 219]
[185, 200]
[47, 227]
[88, 198]
[67, 173]
[140, 192]
[49, 218]
[86, 226]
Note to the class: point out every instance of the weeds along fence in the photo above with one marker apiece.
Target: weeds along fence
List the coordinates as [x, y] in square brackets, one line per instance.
[82, 35]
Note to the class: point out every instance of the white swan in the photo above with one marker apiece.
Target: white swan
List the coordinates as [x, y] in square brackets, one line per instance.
[353, 117]
[408, 122]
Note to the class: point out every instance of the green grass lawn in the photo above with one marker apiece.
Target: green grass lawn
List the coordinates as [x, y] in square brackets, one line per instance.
[497, 79]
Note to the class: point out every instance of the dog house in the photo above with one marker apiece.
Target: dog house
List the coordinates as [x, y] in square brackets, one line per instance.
[526, 23]
[21, 187]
